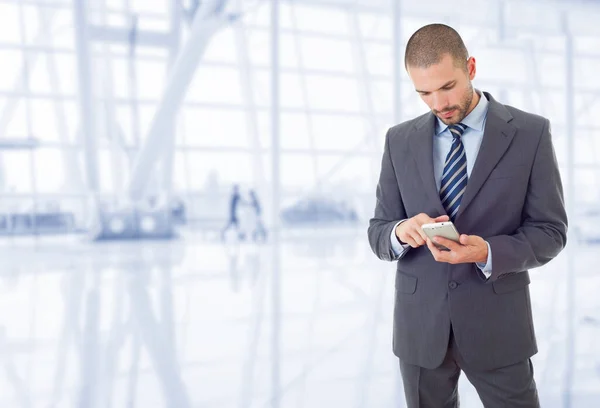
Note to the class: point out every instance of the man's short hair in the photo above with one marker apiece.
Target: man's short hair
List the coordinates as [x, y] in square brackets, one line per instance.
[428, 45]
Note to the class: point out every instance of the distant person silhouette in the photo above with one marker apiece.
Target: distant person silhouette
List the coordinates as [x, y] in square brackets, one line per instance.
[234, 221]
[259, 228]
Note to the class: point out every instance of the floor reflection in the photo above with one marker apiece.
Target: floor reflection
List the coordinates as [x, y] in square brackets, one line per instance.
[191, 323]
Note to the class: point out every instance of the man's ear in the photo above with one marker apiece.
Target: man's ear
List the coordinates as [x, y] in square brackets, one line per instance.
[471, 67]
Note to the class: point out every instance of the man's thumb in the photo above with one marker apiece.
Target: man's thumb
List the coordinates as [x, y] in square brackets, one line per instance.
[464, 239]
[441, 218]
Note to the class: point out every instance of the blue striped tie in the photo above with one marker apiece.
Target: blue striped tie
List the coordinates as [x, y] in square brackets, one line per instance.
[454, 178]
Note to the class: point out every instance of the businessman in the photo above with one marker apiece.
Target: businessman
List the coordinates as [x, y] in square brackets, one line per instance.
[490, 169]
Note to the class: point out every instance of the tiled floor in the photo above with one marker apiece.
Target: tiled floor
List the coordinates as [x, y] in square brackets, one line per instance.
[193, 323]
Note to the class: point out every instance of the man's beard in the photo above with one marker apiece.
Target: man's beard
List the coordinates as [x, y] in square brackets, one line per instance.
[461, 109]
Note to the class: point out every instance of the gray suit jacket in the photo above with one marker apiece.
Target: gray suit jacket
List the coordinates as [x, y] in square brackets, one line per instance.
[514, 200]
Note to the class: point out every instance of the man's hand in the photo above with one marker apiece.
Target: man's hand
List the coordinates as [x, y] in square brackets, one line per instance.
[471, 249]
[410, 231]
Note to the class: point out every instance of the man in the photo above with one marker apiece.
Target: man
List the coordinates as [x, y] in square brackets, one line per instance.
[491, 169]
[234, 204]
[258, 228]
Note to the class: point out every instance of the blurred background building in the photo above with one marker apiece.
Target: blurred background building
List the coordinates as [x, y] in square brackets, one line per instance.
[132, 275]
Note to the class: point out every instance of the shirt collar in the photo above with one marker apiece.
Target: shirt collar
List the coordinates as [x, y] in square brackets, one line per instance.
[474, 120]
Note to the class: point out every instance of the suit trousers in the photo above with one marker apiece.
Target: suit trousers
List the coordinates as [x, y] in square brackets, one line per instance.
[512, 386]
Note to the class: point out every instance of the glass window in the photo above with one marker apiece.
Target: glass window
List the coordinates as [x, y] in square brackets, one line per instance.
[327, 54]
[325, 92]
[321, 19]
[9, 21]
[11, 62]
[215, 127]
[16, 171]
[50, 170]
[216, 85]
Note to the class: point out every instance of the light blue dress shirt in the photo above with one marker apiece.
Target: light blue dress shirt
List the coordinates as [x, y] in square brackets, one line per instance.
[442, 141]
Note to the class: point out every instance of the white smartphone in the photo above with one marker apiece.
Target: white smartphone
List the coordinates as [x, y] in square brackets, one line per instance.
[441, 229]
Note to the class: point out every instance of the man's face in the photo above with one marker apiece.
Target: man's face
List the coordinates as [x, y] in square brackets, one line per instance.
[445, 88]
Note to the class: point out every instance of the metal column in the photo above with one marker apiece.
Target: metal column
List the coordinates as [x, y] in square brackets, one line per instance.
[175, 12]
[180, 76]
[396, 69]
[86, 118]
[570, 202]
[275, 207]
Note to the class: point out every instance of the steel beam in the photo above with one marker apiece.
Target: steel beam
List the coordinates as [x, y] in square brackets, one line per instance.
[181, 75]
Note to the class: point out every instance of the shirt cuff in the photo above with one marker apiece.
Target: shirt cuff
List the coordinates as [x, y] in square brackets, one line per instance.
[397, 248]
[486, 268]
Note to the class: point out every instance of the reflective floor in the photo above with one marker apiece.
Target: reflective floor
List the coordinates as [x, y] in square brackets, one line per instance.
[195, 323]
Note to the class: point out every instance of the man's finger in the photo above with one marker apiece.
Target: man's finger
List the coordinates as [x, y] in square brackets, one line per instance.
[432, 247]
[413, 239]
[438, 255]
[448, 243]
[410, 241]
[441, 218]
[419, 239]
[422, 234]
[465, 239]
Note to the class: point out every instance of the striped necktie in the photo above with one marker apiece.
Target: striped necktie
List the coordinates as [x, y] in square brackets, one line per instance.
[454, 178]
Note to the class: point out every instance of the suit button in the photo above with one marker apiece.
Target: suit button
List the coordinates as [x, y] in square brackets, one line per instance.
[452, 285]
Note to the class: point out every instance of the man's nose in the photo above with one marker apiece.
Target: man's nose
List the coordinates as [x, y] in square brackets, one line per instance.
[439, 102]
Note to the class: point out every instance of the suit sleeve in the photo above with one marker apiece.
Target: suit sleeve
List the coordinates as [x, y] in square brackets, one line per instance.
[389, 209]
[543, 231]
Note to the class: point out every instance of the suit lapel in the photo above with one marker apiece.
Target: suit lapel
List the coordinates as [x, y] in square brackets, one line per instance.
[421, 147]
[497, 136]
